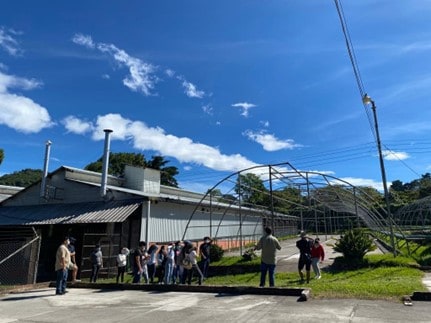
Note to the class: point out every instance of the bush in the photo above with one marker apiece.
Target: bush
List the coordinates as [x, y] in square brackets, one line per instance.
[354, 244]
[249, 255]
[216, 253]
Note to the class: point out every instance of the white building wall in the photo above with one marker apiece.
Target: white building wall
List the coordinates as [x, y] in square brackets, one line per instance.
[168, 221]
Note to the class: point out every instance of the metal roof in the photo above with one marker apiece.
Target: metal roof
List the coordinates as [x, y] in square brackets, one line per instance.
[73, 213]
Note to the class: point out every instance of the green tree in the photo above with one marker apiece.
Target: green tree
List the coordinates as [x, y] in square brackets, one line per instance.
[1, 155]
[22, 178]
[251, 189]
[286, 199]
[118, 161]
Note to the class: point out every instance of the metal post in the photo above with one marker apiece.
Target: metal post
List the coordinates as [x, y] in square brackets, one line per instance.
[45, 169]
[367, 99]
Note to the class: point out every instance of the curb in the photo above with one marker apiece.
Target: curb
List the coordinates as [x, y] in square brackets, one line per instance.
[303, 294]
[421, 296]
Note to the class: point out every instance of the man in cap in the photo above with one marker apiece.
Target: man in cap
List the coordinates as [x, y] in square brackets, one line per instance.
[304, 245]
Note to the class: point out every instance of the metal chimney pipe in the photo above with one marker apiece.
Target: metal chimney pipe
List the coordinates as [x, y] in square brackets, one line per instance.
[105, 162]
[45, 168]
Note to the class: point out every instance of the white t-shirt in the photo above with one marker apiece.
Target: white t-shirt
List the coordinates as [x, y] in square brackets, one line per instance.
[121, 260]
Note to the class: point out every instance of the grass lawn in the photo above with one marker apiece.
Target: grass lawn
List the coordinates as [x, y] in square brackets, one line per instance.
[369, 283]
[386, 277]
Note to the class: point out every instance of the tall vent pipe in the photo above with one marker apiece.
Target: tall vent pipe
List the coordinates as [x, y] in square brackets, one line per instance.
[105, 162]
[45, 168]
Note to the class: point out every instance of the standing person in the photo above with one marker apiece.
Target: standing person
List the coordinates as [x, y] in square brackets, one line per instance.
[62, 260]
[96, 258]
[204, 253]
[304, 246]
[178, 269]
[170, 265]
[72, 265]
[317, 255]
[121, 263]
[161, 263]
[195, 268]
[152, 262]
[269, 246]
[185, 251]
[139, 256]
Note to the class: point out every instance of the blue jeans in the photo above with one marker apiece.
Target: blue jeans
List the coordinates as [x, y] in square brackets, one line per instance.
[169, 270]
[205, 263]
[136, 276]
[61, 281]
[264, 268]
[94, 273]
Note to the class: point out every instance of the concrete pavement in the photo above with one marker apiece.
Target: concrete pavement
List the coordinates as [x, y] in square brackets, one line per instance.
[94, 305]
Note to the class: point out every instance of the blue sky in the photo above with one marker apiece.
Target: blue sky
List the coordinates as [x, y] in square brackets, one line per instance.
[217, 86]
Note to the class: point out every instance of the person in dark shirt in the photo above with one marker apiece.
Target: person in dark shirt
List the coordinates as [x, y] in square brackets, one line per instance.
[304, 245]
[204, 253]
[138, 256]
[72, 265]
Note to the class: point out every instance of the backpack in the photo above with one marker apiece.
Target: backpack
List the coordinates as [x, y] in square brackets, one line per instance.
[187, 264]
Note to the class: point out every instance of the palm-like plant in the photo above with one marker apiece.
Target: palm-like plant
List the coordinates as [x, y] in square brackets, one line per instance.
[354, 244]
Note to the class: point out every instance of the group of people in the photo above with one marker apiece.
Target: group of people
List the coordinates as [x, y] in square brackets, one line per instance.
[176, 263]
[311, 253]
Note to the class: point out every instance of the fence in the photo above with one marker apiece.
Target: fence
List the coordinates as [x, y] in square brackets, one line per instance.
[19, 254]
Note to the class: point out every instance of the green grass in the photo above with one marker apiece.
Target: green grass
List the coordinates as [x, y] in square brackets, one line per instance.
[385, 277]
[368, 283]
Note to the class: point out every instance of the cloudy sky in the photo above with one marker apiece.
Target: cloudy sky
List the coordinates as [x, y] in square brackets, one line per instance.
[217, 86]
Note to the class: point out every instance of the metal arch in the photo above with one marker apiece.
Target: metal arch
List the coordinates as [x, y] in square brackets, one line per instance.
[350, 199]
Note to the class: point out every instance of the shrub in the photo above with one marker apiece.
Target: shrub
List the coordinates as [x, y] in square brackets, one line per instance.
[354, 244]
[249, 255]
[216, 252]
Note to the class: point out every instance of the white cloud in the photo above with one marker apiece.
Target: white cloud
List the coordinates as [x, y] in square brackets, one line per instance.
[83, 40]
[270, 142]
[19, 112]
[392, 155]
[244, 107]
[12, 81]
[23, 114]
[9, 43]
[181, 148]
[187, 168]
[141, 78]
[170, 72]
[264, 123]
[208, 109]
[362, 182]
[75, 125]
[191, 91]
[106, 76]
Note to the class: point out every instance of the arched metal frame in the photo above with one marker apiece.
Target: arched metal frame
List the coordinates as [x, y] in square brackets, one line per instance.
[326, 204]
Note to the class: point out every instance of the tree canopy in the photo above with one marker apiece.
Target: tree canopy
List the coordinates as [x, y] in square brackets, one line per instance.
[118, 161]
[22, 178]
